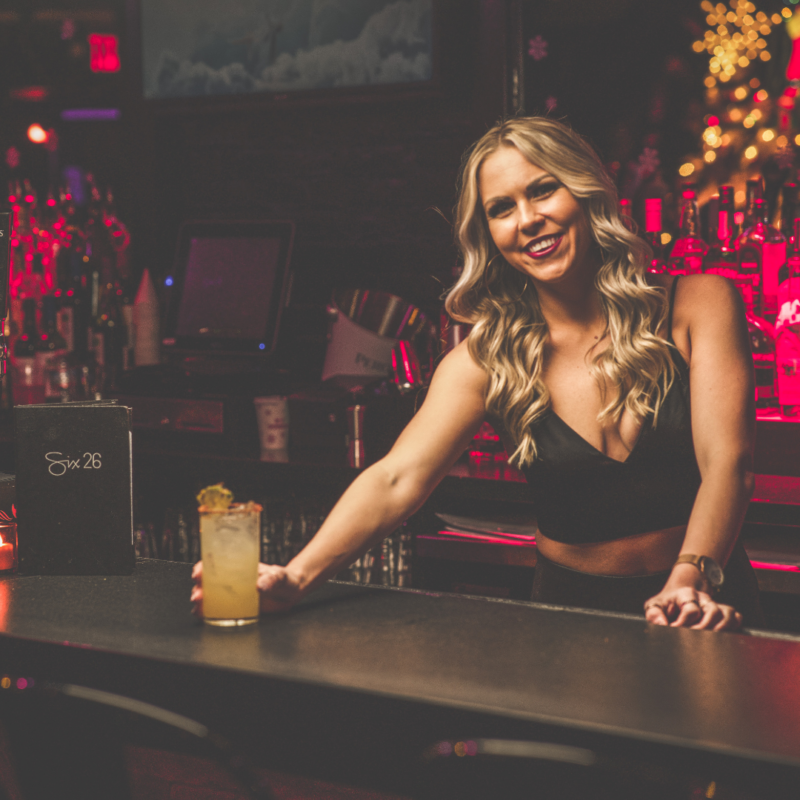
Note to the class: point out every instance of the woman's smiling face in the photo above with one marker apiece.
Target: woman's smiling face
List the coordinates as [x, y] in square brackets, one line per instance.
[536, 224]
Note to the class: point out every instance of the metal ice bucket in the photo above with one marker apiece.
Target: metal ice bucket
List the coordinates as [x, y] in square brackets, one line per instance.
[365, 326]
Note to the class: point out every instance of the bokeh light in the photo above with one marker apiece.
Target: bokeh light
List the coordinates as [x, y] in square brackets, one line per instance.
[37, 134]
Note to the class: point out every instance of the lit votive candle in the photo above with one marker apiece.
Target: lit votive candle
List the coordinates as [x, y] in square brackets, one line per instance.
[6, 556]
[8, 547]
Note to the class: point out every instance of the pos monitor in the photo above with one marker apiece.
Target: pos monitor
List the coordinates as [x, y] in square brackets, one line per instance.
[229, 285]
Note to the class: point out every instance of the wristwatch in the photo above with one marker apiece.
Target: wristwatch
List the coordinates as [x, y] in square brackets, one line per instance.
[711, 570]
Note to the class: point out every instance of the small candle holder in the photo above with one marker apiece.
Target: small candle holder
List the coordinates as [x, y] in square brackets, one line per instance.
[8, 546]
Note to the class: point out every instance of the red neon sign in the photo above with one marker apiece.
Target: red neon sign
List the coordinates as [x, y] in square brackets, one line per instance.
[103, 53]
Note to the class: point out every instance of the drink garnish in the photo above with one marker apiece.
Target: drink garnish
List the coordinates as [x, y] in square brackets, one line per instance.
[215, 498]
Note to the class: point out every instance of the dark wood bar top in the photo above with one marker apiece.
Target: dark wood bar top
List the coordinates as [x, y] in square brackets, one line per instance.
[578, 674]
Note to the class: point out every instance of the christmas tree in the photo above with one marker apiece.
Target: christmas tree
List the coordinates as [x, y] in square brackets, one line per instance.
[752, 80]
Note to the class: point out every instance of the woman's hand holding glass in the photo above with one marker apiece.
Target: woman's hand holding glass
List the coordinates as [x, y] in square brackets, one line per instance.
[278, 587]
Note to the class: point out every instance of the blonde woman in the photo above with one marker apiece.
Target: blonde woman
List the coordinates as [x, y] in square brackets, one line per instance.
[586, 365]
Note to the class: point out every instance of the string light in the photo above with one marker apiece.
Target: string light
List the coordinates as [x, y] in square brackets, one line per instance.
[725, 43]
[736, 39]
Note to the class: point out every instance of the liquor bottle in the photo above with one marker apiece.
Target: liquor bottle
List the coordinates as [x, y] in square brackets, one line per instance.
[689, 251]
[51, 346]
[791, 269]
[28, 379]
[788, 210]
[125, 300]
[762, 252]
[99, 261]
[755, 191]
[626, 213]
[107, 332]
[652, 227]
[763, 348]
[72, 316]
[721, 258]
[119, 237]
[51, 342]
[787, 338]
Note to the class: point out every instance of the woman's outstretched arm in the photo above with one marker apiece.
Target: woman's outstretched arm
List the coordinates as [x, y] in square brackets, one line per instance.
[386, 493]
[723, 430]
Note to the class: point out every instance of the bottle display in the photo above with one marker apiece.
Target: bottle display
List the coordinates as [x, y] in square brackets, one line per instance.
[760, 254]
[72, 290]
[787, 336]
[59, 254]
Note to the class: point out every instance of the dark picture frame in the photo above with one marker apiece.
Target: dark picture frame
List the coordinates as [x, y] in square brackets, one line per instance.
[431, 86]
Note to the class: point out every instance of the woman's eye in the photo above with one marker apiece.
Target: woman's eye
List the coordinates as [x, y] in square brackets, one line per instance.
[543, 189]
[498, 209]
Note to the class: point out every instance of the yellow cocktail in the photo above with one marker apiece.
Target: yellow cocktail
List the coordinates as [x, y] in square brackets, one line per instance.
[230, 545]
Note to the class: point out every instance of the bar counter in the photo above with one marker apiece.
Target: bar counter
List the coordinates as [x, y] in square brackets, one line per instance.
[356, 681]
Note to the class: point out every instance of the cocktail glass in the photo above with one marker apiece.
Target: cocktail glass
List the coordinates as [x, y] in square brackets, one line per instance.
[230, 545]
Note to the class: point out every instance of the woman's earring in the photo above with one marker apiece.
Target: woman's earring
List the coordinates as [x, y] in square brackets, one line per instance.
[486, 271]
[524, 289]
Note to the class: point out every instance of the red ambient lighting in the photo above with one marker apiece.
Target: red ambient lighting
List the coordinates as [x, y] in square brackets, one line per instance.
[777, 567]
[104, 55]
[30, 94]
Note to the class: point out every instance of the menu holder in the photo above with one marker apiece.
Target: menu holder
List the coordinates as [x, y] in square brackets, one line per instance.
[74, 493]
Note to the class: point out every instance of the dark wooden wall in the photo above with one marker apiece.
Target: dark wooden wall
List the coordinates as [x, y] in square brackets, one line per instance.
[362, 177]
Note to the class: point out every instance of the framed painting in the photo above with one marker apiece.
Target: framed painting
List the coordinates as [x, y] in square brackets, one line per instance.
[193, 49]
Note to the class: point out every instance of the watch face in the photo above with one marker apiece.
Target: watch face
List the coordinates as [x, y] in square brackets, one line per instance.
[713, 572]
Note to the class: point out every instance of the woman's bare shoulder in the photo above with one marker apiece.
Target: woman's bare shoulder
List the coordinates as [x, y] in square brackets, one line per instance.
[698, 296]
[459, 363]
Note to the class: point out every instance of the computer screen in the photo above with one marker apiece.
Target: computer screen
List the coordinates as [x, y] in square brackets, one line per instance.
[228, 286]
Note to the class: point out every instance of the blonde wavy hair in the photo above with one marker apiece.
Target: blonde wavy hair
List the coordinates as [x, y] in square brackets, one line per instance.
[509, 331]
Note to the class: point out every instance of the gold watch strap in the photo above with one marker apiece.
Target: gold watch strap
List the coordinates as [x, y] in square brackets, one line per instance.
[688, 558]
[708, 568]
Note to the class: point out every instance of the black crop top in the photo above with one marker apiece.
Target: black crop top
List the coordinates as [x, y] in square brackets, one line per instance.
[583, 496]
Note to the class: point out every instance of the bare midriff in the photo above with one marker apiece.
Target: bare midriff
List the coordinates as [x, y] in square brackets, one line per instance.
[643, 554]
